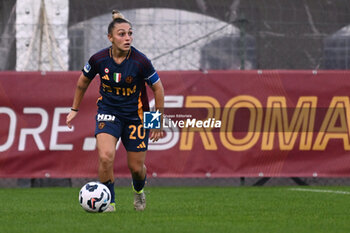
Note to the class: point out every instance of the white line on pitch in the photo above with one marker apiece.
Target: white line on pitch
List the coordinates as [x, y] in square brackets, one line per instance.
[319, 191]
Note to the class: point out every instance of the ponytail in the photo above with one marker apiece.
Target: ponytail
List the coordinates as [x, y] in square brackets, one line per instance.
[117, 18]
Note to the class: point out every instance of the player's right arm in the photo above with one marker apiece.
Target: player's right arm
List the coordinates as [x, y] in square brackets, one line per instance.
[82, 85]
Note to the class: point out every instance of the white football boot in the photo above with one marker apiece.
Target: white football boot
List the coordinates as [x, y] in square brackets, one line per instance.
[139, 201]
[110, 208]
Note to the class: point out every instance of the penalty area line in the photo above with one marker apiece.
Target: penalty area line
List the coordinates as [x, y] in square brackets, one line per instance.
[319, 191]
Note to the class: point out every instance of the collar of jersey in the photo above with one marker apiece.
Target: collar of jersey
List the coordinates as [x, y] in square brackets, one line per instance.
[127, 56]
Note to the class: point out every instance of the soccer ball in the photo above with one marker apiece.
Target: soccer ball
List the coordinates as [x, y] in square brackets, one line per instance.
[94, 197]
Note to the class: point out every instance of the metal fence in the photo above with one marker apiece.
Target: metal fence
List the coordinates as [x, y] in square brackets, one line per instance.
[184, 35]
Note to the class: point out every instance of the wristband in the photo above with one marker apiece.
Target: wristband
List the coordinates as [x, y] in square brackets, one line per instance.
[74, 109]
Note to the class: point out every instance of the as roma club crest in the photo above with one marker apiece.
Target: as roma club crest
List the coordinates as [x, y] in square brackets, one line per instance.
[101, 125]
[128, 79]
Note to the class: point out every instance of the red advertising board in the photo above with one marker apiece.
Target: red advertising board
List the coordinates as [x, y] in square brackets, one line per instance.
[256, 123]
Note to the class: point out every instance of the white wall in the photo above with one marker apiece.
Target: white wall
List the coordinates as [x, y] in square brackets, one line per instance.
[42, 35]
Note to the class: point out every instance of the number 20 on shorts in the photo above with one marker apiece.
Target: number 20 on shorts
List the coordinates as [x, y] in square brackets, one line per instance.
[141, 133]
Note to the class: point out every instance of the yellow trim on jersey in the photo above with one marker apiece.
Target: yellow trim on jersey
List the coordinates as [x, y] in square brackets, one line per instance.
[98, 99]
[140, 110]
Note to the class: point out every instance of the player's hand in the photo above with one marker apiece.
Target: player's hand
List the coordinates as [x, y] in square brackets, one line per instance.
[156, 134]
[70, 117]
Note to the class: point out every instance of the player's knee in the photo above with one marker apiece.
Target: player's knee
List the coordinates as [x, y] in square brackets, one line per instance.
[136, 169]
[106, 158]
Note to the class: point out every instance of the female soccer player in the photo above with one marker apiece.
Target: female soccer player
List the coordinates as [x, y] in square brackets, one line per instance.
[123, 72]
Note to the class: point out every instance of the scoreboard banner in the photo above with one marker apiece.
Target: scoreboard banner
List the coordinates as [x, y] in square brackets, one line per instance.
[217, 124]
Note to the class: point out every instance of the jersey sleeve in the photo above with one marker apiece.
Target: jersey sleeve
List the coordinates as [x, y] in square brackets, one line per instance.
[151, 75]
[90, 69]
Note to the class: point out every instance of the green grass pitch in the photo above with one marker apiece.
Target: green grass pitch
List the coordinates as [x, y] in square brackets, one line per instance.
[181, 209]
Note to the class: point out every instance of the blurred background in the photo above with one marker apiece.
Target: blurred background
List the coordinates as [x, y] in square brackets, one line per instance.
[61, 35]
[179, 34]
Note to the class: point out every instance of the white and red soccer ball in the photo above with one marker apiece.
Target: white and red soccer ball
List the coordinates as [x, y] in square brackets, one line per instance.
[94, 197]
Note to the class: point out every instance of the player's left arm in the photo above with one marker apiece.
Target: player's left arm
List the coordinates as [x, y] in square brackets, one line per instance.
[158, 92]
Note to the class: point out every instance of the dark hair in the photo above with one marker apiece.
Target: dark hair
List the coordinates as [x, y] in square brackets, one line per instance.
[117, 19]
